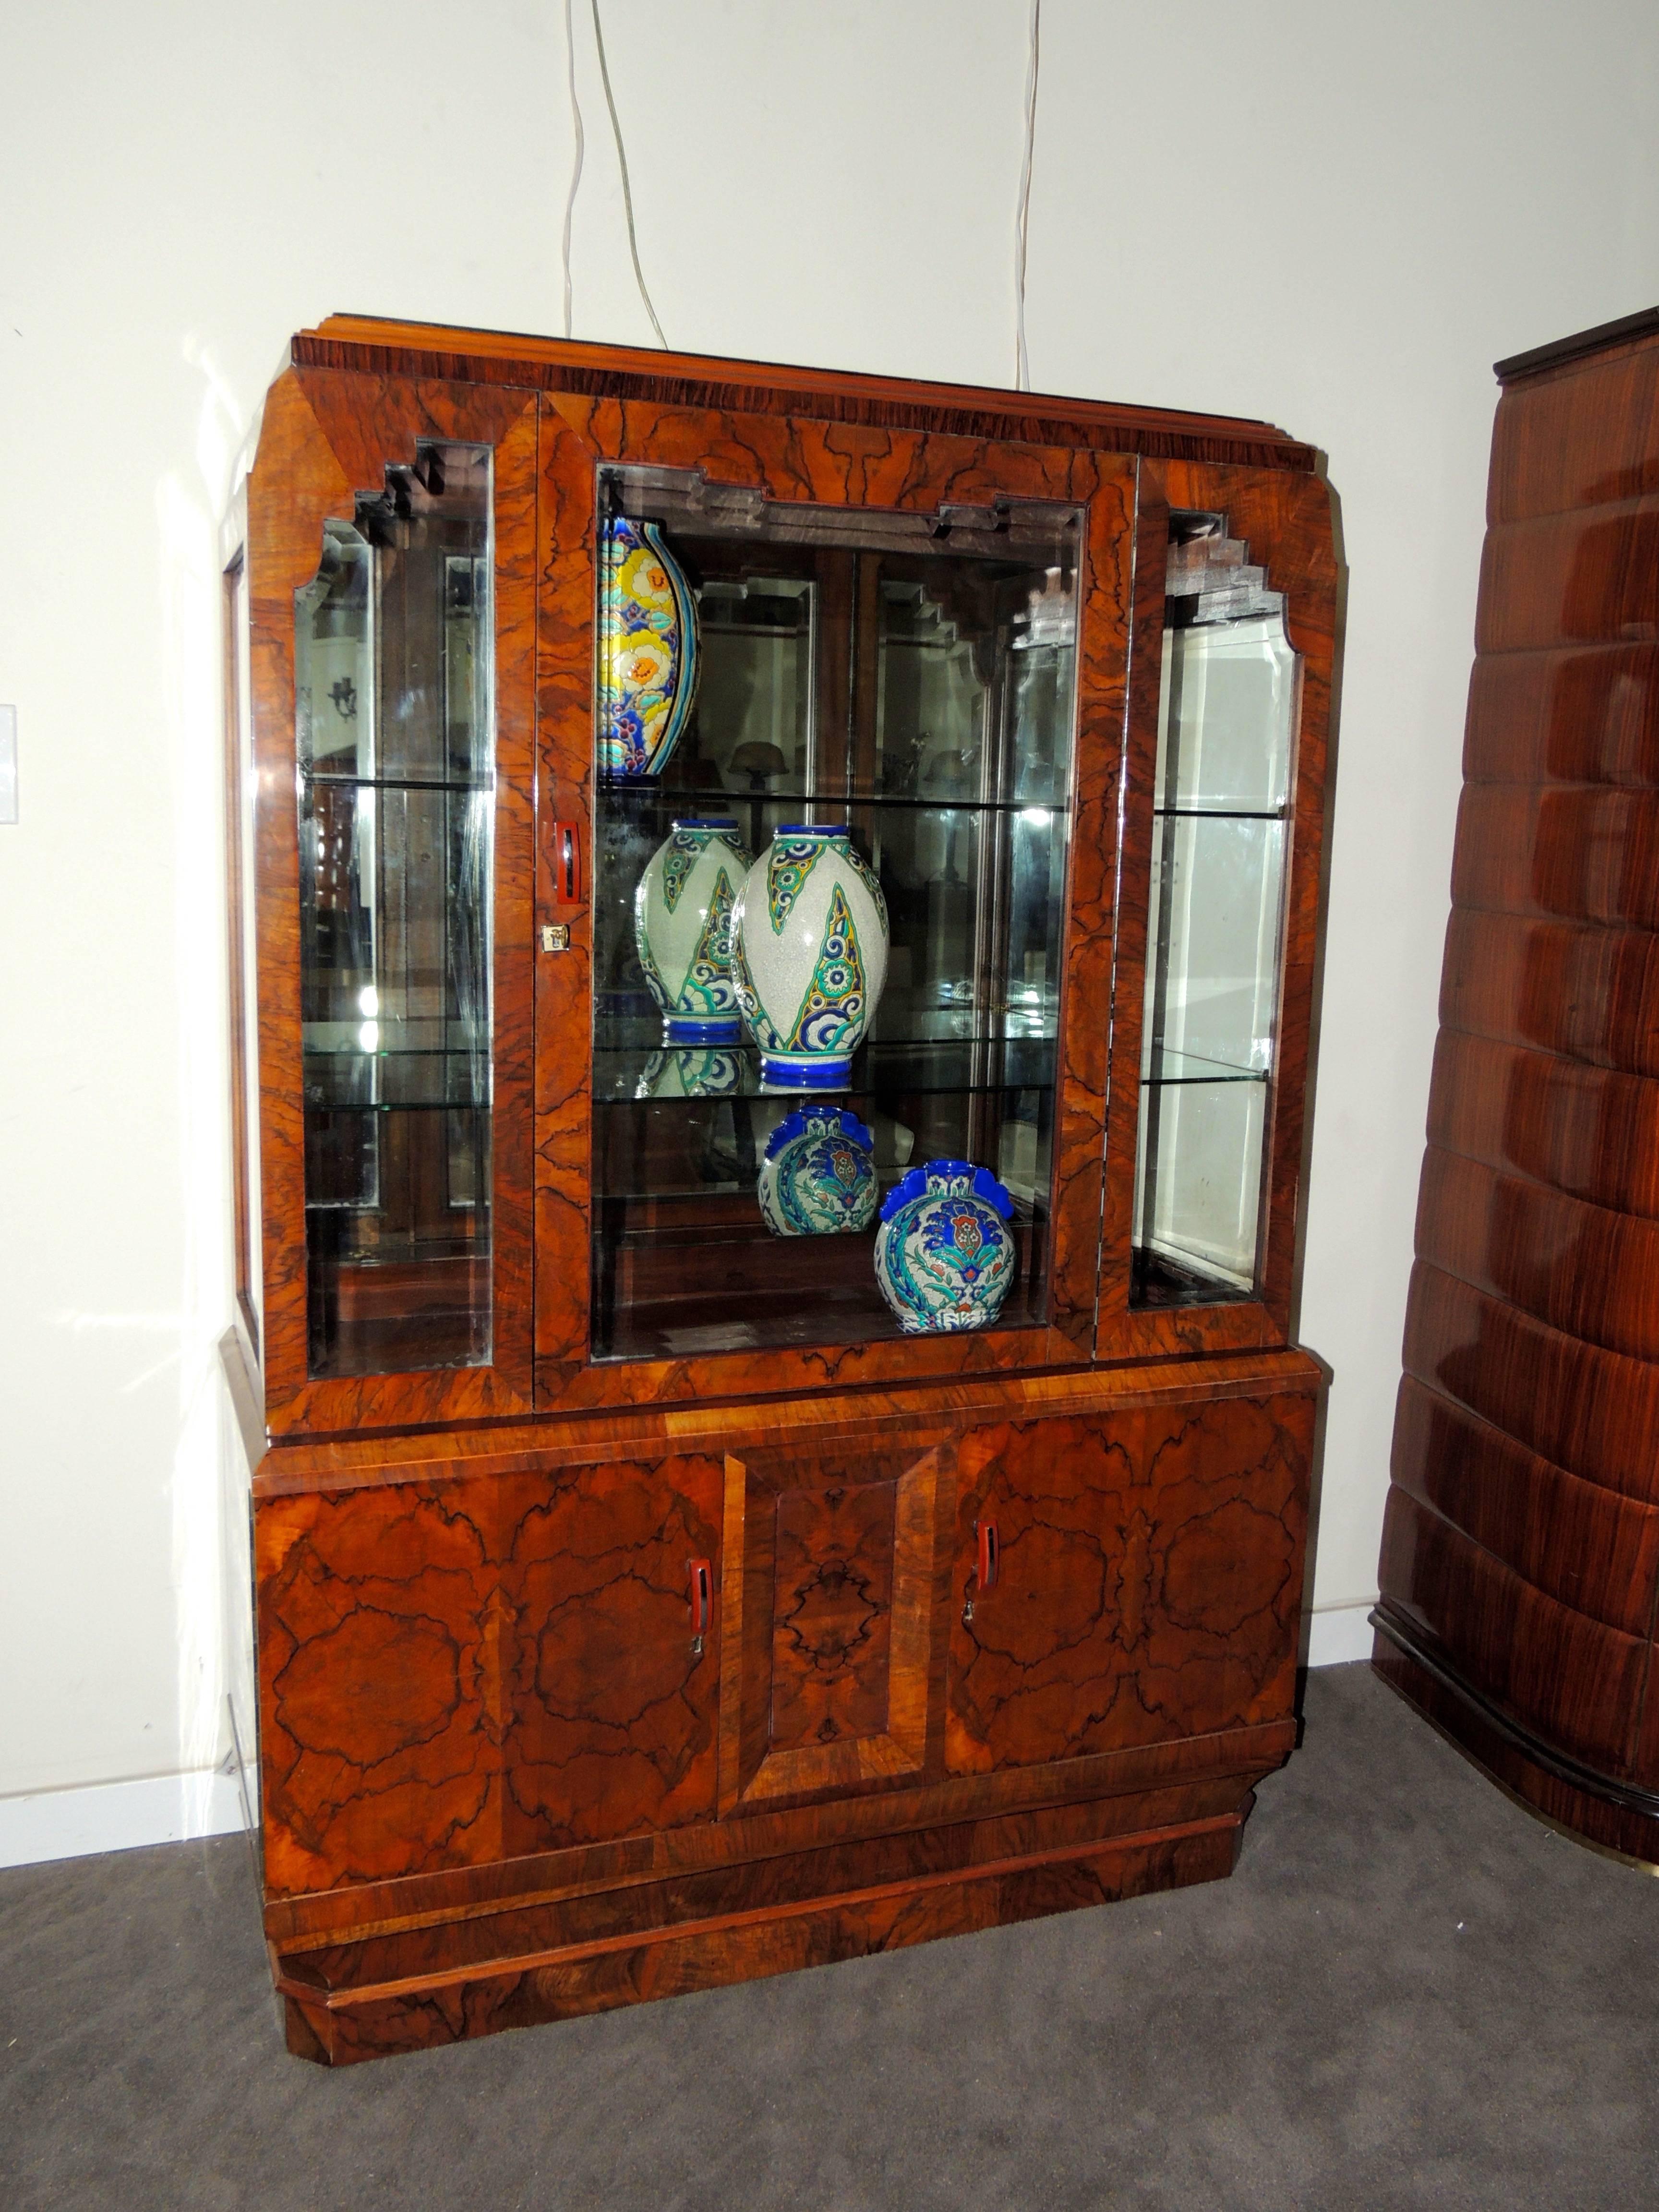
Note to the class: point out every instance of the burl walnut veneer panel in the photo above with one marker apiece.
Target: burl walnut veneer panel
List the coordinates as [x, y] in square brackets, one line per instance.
[456, 1671]
[1521, 1551]
[1149, 1579]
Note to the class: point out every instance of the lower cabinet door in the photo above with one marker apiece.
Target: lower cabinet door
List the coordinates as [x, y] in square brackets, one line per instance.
[1122, 1579]
[833, 1607]
[458, 1671]
[609, 1577]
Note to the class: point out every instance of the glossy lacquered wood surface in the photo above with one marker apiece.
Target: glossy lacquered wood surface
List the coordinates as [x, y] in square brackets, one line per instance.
[364, 344]
[1521, 1552]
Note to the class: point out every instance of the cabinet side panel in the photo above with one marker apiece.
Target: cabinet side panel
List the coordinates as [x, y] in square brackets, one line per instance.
[326, 438]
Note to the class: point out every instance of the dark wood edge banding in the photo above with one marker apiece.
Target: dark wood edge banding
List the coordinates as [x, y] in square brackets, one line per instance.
[366, 346]
[1426, 1651]
[1644, 323]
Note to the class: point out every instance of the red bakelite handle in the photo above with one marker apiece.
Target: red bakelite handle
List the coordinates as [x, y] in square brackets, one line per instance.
[700, 1576]
[990, 1553]
[567, 862]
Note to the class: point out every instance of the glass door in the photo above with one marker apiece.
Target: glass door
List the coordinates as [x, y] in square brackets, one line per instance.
[396, 765]
[1227, 728]
[832, 823]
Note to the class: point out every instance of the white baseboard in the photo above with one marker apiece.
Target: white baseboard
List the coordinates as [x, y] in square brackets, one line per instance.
[119, 1816]
[1339, 1633]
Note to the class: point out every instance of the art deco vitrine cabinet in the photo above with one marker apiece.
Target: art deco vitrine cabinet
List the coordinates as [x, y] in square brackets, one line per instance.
[774, 935]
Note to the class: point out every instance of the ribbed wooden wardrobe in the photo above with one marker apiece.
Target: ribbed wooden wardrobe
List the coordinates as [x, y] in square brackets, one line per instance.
[1521, 1551]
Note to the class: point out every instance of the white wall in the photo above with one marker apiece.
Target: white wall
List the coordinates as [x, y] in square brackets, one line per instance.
[1331, 214]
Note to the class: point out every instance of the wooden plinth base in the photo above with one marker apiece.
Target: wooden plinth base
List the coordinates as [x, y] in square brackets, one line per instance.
[413, 1989]
[1526, 1766]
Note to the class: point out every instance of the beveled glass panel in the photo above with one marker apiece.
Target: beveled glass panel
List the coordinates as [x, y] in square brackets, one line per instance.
[395, 807]
[864, 668]
[1227, 728]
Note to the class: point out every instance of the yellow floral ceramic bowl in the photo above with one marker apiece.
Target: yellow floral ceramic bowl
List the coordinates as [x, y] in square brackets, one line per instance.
[647, 649]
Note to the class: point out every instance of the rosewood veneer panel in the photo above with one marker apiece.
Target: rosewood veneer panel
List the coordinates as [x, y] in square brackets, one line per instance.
[1521, 1556]
[1587, 1547]
[1573, 714]
[1575, 1680]
[1588, 1131]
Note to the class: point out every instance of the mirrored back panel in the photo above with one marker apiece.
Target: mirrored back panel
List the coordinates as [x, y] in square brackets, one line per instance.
[801, 706]
[1221, 808]
[396, 747]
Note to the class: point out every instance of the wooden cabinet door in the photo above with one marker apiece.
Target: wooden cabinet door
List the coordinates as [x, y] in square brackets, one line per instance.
[825, 469]
[614, 1696]
[832, 1613]
[460, 1670]
[1148, 1581]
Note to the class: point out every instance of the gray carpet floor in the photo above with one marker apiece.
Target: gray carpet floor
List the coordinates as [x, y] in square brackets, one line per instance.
[1410, 1993]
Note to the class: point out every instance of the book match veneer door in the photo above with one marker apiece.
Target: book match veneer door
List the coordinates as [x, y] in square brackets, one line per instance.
[1148, 1580]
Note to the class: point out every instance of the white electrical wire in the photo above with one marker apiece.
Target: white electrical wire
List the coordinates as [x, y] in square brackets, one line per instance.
[627, 197]
[576, 162]
[1022, 362]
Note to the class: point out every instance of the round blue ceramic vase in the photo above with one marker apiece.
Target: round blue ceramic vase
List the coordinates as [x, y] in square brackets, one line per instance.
[946, 1258]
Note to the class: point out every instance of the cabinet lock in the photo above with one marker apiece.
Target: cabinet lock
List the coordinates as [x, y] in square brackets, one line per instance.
[987, 1567]
[700, 1576]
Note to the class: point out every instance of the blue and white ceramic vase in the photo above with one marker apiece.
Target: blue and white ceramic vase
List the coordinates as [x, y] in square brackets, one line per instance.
[647, 649]
[683, 907]
[694, 1072]
[818, 1176]
[944, 1256]
[809, 955]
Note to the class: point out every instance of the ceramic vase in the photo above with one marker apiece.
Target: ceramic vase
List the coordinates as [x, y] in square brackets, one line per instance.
[946, 1258]
[647, 649]
[683, 907]
[695, 1072]
[818, 1176]
[809, 955]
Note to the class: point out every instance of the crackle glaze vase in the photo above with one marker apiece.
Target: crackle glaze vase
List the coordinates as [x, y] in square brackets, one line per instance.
[818, 1176]
[683, 907]
[944, 1256]
[647, 649]
[809, 955]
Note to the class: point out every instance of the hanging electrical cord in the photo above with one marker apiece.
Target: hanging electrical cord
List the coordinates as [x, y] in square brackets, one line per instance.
[1022, 362]
[576, 162]
[627, 197]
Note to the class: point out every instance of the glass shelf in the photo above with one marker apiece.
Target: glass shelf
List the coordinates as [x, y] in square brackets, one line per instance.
[662, 1072]
[1166, 1067]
